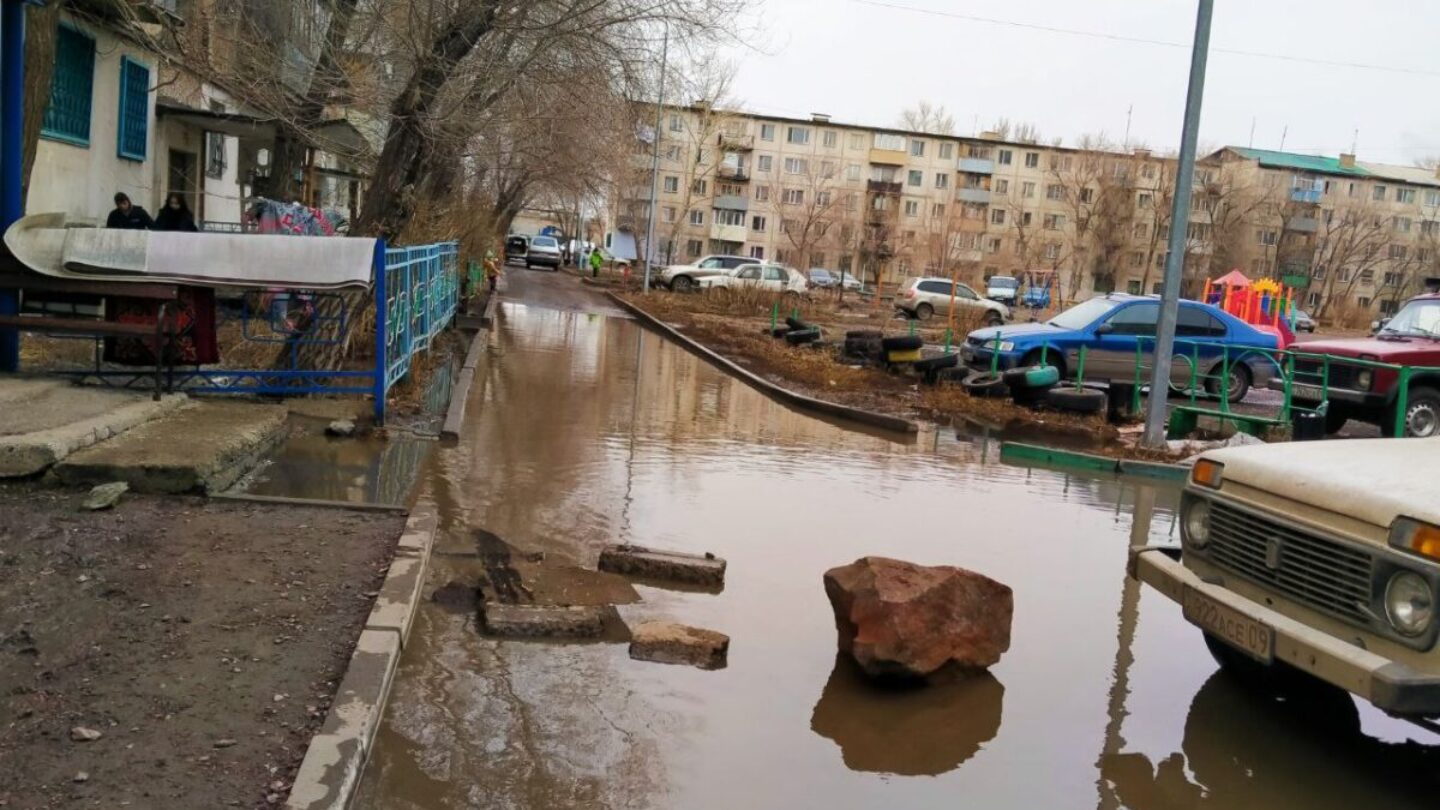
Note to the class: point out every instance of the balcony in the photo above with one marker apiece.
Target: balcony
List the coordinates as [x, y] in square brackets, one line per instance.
[728, 233]
[1310, 196]
[1302, 224]
[974, 195]
[740, 174]
[889, 157]
[977, 165]
[883, 187]
[732, 202]
[736, 143]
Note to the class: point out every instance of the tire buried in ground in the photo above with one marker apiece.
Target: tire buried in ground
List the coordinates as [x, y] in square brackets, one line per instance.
[1083, 400]
[953, 376]
[987, 386]
[796, 324]
[902, 343]
[799, 337]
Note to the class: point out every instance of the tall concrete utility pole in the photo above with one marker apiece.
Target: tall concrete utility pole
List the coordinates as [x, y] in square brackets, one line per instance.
[655, 159]
[1179, 226]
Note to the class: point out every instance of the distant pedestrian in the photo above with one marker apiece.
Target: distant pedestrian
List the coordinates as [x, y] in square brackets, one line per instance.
[492, 269]
[127, 215]
[175, 216]
[596, 260]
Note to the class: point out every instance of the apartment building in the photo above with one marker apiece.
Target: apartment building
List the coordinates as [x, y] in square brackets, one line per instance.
[886, 204]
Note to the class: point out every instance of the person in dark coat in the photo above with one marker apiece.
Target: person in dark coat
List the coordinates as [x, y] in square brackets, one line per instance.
[127, 215]
[175, 216]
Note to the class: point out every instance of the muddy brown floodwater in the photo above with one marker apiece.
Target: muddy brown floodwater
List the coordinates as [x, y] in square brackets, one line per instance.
[589, 430]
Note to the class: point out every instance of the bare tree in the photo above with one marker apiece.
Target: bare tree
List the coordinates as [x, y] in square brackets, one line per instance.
[929, 118]
[811, 204]
[1017, 131]
[1351, 243]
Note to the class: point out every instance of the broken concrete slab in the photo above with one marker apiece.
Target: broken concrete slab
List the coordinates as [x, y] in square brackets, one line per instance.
[47, 420]
[205, 447]
[534, 621]
[105, 496]
[696, 569]
[670, 643]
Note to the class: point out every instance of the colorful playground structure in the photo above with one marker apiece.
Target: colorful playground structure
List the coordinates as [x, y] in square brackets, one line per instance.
[1265, 303]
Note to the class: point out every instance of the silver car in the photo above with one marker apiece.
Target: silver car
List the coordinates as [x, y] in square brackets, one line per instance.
[923, 297]
[685, 277]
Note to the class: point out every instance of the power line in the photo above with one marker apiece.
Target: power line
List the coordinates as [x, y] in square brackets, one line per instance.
[1052, 29]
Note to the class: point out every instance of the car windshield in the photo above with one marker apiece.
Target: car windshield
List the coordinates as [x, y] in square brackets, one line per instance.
[1003, 283]
[544, 241]
[818, 273]
[1416, 318]
[1082, 315]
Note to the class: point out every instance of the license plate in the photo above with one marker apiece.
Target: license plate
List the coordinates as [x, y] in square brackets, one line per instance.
[1251, 637]
[1310, 393]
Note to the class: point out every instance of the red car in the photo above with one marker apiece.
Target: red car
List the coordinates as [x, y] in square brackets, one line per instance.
[1411, 338]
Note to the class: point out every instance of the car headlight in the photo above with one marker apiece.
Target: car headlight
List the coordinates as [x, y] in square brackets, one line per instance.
[1409, 603]
[1197, 522]
[1004, 345]
[1364, 378]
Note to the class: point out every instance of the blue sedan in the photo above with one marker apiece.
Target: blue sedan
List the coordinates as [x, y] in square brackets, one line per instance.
[1112, 326]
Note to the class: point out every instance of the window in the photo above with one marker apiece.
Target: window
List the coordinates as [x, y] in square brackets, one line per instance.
[1026, 218]
[1054, 222]
[830, 139]
[1363, 302]
[767, 132]
[693, 247]
[973, 211]
[757, 224]
[1052, 250]
[787, 226]
[822, 199]
[938, 210]
[1087, 195]
[797, 135]
[1137, 259]
[757, 252]
[1266, 238]
[1313, 300]
[677, 124]
[672, 152]
[1432, 198]
[1147, 171]
[762, 194]
[1006, 157]
[1196, 322]
[993, 244]
[915, 178]
[699, 186]
[134, 110]
[1392, 279]
[1136, 319]
[726, 216]
[1002, 186]
[1343, 275]
[1060, 163]
[215, 158]
[857, 140]
[672, 184]
[912, 208]
[782, 256]
[794, 196]
[852, 171]
[997, 216]
[1141, 230]
[697, 217]
[1402, 224]
[1430, 227]
[1405, 195]
[1027, 190]
[1132, 287]
[67, 118]
[917, 148]
[1054, 191]
[1422, 254]
[942, 180]
[1397, 251]
[1145, 200]
[796, 166]
[1032, 160]
[1389, 307]
[1198, 231]
[1378, 193]
[1368, 276]
[947, 151]
[827, 169]
[765, 163]
[1354, 190]
[892, 143]
[668, 213]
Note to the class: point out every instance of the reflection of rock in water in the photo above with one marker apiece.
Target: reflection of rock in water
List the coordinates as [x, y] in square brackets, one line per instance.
[911, 732]
[1246, 750]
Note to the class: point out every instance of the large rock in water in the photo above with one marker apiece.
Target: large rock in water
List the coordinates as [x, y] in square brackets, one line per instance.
[905, 621]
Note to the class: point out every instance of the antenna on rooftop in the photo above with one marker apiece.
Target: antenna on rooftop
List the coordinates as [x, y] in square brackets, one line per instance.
[1283, 133]
[1251, 144]
[1355, 141]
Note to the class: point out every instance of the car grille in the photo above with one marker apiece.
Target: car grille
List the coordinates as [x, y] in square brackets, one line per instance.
[1312, 372]
[1312, 570]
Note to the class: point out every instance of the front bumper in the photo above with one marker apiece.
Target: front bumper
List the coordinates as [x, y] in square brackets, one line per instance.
[979, 358]
[551, 261]
[1364, 399]
[1389, 685]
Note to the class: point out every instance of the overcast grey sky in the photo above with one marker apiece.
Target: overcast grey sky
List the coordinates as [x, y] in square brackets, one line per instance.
[864, 60]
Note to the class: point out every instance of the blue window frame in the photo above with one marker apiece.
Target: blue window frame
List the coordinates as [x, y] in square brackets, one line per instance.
[134, 124]
[68, 116]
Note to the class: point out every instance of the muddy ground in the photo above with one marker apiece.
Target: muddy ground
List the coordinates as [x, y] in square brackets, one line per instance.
[201, 640]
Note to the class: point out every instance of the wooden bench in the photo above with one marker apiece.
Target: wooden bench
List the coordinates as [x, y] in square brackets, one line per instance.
[56, 294]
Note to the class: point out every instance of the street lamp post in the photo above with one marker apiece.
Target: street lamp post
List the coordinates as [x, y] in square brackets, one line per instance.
[655, 159]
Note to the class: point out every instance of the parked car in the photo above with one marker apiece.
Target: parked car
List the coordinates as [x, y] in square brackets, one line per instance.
[544, 252]
[516, 248]
[1003, 289]
[1313, 562]
[923, 297]
[1302, 322]
[1410, 338]
[770, 277]
[683, 277]
[851, 283]
[1111, 326]
[822, 278]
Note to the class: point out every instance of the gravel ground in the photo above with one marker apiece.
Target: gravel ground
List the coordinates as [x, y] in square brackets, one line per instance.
[172, 653]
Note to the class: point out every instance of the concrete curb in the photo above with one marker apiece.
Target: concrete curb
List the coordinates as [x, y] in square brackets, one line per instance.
[492, 305]
[32, 453]
[335, 759]
[460, 391]
[281, 500]
[784, 395]
[1033, 455]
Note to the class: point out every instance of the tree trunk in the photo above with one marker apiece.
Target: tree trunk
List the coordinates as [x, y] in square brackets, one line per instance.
[41, 29]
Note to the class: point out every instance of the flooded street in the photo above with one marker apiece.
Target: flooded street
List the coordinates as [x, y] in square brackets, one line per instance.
[586, 430]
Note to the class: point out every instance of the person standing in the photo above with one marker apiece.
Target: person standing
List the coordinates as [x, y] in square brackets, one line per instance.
[492, 269]
[596, 260]
[128, 216]
[175, 216]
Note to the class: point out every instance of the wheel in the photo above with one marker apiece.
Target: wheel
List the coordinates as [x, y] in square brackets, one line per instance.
[1239, 381]
[682, 284]
[1335, 419]
[988, 386]
[790, 297]
[924, 312]
[1276, 680]
[1083, 400]
[1422, 414]
[1051, 357]
[902, 343]
[992, 318]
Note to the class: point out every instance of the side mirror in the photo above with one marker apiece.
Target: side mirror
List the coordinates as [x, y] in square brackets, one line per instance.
[1104, 329]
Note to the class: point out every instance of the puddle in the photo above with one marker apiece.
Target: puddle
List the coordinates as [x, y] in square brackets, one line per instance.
[310, 464]
[591, 431]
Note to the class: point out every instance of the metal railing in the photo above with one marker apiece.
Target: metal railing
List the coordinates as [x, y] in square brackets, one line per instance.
[421, 291]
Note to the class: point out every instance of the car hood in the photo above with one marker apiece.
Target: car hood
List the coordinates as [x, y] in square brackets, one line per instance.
[1383, 349]
[1013, 331]
[1374, 480]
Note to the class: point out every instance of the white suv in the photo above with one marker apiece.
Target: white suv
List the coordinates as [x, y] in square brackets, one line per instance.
[684, 277]
[770, 277]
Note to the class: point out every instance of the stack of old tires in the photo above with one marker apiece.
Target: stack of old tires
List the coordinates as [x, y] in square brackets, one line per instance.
[796, 332]
[1030, 385]
[901, 349]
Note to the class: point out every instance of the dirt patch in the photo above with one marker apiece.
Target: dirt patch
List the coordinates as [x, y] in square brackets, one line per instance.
[202, 640]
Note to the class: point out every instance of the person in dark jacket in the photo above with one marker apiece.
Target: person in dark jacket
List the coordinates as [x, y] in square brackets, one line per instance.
[127, 215]
[175, 216]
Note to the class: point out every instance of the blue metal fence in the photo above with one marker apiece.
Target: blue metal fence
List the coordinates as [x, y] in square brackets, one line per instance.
[421, 290]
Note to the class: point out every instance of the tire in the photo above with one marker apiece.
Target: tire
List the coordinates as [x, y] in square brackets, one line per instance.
[865, 333]
[936, 363]
[1084, 400]
[903, 343]
[1335, 420]
[1240, 377]
[924, 312]
[986, 386]
[953, 376]
[796, 323]
[798, 337]
[1032, 377]
[778, 332]
[992, 318]
[1032, 396]
[1052, 357]
[1422, 414]
[1276, 680]
[682, 284]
